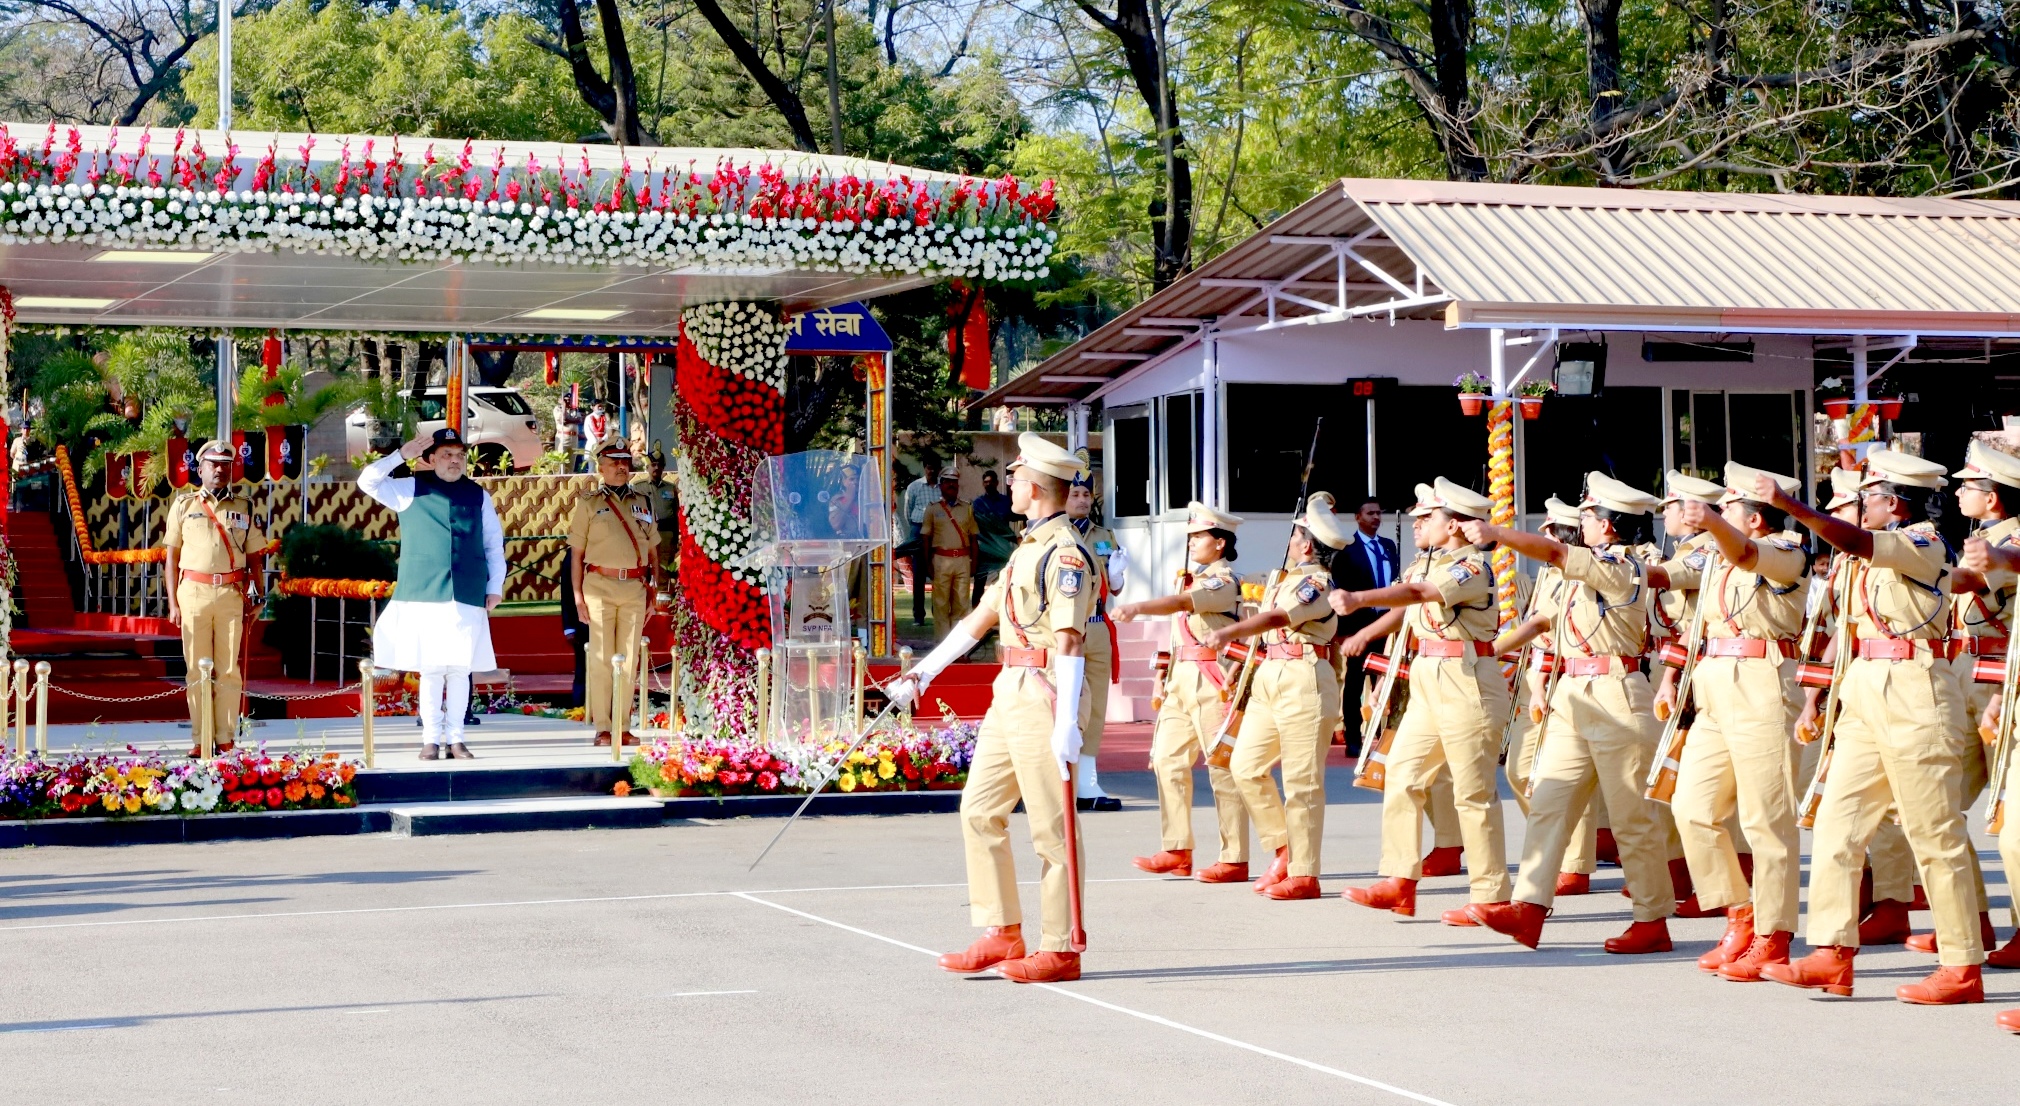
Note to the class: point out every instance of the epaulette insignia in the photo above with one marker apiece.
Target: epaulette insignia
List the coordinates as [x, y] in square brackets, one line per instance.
[1068, 560]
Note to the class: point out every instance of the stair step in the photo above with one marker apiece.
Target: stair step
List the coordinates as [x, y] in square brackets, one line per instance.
[513, 815]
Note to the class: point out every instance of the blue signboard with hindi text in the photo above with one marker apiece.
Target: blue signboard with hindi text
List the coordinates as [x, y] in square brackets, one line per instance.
[843, 328]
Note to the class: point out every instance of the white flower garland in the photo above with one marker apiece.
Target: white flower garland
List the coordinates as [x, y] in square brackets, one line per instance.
[723, 537]
[742, 338]
[435, 228]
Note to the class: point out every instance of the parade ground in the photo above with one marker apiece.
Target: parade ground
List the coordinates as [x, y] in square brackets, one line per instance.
[545, 967]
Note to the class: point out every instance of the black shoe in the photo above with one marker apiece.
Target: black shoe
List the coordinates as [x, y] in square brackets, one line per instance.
[431, 752]
[472, 720]
[417, 721]
[460, 751]
[1099, 802]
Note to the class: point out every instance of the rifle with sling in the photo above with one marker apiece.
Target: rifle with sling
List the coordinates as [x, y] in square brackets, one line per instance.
[1661, 783]
[1813, 797]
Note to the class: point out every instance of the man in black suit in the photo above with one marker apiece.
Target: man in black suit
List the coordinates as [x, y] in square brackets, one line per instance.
[1368, 563]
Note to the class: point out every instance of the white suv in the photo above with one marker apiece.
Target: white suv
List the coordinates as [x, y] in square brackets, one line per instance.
[497, 423]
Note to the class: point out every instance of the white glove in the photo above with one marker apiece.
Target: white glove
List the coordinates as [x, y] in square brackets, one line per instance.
[907, 689]
[1118, 568]
[1069, 674]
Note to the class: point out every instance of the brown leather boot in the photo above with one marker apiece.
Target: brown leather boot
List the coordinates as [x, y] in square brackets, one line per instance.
[1926, 942]
[1520, 920]
[1768, 948]
[1042, 967]
[1573, 883]
[1885, 924]
[1278, 869]
[1170, 862]
[1641, 937]
[2008, 957]
[1224, 872]
[1734, 944]
[1444, 861]
[1950, 985]
[997, 944]
[1395, 895]
[1293, 887]
[602, 739]
[1829, 969]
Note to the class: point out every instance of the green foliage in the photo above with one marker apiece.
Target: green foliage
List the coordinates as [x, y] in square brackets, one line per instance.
[332, 552]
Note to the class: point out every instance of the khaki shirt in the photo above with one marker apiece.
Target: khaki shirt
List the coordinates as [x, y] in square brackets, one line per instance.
[1765, 602]
[1302, 595]
[1607, 612]
[665, 498]
[948, 530]
[614, 530]
[1465, 607]
[1990, 613]
[1904, 591]
[1047, 585]
[1216, 602]
[191, 532]
[1676, 604]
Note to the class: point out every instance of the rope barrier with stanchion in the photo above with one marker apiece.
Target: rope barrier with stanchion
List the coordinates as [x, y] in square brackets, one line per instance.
[764, 694]
[205, 735]
[368, 709]
[861, 657]
[41, 710]
[20, 708]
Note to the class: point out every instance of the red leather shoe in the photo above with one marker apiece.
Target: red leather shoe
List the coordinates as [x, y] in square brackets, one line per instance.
[1885, 924]
[1461, 917]
[1444, 861]
[997, 944]
[1920, 901]
[1395, 895]
[1746, 868]
[2008, 957]
[1686, 893]
[1520, 920]
[2008, 1020]
[1042, 967]
[1922, 942]
[1278, 869]
[1293, 887]
[1770, 948]
[1829, 969]
[1926, 942]
[1170, 862]
[1223, 873]
[1734, 944]
[1641, 937]
[1608, 850]
[1573, 883]
[1946, 986]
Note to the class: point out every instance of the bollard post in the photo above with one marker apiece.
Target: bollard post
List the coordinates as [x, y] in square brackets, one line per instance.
[861, 657]
[368, 708]
[620, 708]
[764, 694]
[41, 710]
[205, 739]
[20, 710]
[643, 674]
[904, 666]
[6, 699]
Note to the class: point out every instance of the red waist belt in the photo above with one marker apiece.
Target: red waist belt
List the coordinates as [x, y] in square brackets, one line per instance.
[214, 579]
[1900, 648]
[950, 552]
[1440, 647]
[1295, 651]
[1596, 666]
[1746, 647]
[1198, 654]
[1983, 646]
[619, 573]
[1015, 657]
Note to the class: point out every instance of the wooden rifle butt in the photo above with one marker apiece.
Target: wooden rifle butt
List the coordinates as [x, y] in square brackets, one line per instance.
[1998, 819]
[1662, 786]
[1813, 799]
[1375, 775]
[1222, 753]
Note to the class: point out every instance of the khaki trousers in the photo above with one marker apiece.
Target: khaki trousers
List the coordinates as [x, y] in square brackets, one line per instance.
[1094, 701]
[617, 611]
[1013, 761]
[1896, 746]
[1444, 815]
[1602, 737]
[1895, 870]
[1457, 706]
[1738, 759]
[2009, 830]
[1187, 724]
[1581, 853]
[1290, 719]
[213, 623]
[952, 583]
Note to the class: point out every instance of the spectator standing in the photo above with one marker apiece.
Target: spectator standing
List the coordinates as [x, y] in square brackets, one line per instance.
[996, 527]
[920, 496]
[1365, 565]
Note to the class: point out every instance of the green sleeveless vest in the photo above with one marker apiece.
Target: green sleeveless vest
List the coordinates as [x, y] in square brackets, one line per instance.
[442, 544]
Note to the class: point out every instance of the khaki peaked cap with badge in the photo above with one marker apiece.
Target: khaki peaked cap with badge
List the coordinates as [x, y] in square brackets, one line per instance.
[1677, 487]
[1887, 466]
[1602, 490]
[1459, 500]
[1323, 525]
[1982, 462]
[1740, 479]
[1040, 454]
[1844, 489]
[1199, 518]
[1559, 513]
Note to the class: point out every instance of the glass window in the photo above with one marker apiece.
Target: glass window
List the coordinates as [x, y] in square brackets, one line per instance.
[1617, 433]
[1132, 464]
[430, 408]
[1181, 448]
[512, 403]
[1269, 427]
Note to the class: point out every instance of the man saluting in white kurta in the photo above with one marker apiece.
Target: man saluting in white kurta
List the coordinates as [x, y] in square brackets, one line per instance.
[452, 573]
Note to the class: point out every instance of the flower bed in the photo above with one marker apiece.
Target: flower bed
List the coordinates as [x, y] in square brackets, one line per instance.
[910, 760]
[136, 784]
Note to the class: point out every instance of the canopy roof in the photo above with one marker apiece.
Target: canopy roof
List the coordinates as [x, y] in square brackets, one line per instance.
[258, 229]
[1530, 257]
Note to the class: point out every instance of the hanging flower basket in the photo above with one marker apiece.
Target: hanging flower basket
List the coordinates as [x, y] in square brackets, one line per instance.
[1473, 389]
[1532, 406]
[1890, 407]
[1836, 407]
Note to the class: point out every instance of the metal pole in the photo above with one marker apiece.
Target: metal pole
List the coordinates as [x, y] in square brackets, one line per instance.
[1373, 492]
[227, 383]
[620, 709]
[368, 709]
[6, 697]
[41, 710]
[642, 675]
[224, 65]
[861, 656]
[20, 709]
[764, 694]
[904, 666]
[205, 739]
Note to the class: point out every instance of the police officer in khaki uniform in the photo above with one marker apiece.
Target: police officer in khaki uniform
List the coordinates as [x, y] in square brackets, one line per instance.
[213, 556]
[1990, 493]
[1601, 730]
[1738, 755]
[1294, 697]
[1457, 711]
[1029, 741]
[664, 492]
[1195, 701]
[612, 537]
[949, 532]
[1896, 741]
[1675, 606]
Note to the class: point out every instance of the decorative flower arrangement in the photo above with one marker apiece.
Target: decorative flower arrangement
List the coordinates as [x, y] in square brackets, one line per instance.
[1472, 383]
[77, 515]
[910, 760]
[375, 203]
[334, 589]
[119, 785]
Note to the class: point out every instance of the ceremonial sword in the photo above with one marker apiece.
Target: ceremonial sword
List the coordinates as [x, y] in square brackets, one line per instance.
[833, 771]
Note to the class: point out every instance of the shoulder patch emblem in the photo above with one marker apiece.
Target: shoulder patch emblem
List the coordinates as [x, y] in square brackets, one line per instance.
[1308, 591]
[1782, 544]
[1213, 583]
[1463, 571]
[1920, 539]
[1606, 557]
[1069, 581]
[1695, 559]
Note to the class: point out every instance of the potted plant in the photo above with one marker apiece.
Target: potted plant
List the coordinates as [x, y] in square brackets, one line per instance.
[1530, 397]
[1833, 397]
[1885, 396]
[1473, 390]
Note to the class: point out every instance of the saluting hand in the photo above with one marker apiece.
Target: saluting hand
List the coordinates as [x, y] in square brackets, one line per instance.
[1695, 511]
[1977, 555]
[1765, 490]
[1344, 602]
[416, 447]
[1475, 531]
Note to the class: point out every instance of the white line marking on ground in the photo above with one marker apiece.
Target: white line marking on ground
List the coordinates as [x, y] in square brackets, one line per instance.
[700, 994]
[1139, 1014]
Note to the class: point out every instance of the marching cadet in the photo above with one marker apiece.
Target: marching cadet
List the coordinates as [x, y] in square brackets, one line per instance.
[949, 531]
[1030, 738]
[1738, 755]
[213, 558]
[1603, 733]
[1292, 700]
[1896, 739]
[1581, 857]
[1195, 701]
[1675, 605]
[1111, 561]
[1458, 707]
[611, 575]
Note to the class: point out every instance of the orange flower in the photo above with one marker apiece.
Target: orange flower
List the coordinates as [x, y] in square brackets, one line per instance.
[622, 789]
[295, 791]
[315, 791]
[343, 799]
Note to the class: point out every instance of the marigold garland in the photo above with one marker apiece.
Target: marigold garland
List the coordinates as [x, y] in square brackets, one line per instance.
[317, 588]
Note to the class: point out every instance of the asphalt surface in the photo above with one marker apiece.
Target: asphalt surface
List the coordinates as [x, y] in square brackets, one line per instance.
[550, 967]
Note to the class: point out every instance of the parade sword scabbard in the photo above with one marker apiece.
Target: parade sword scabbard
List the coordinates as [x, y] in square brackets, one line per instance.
[827, 779]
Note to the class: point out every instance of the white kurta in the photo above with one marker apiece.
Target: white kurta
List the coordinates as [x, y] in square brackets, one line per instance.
[434, 637]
